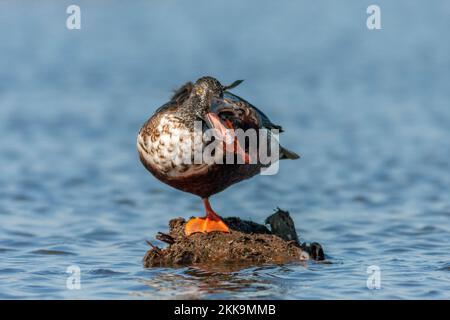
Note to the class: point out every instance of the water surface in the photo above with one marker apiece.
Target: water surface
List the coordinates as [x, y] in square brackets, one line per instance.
[368, 110]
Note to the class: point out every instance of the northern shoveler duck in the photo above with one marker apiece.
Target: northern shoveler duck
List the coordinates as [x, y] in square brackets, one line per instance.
[166, 138]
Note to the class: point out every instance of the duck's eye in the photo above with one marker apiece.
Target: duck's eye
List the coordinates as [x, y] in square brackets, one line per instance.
[200, 90]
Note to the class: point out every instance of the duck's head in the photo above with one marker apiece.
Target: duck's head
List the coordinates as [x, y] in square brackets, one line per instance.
[206, 96]
[207, 101]
[205, 90]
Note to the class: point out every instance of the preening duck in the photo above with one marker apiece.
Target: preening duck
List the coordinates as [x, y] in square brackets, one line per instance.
[168, 144]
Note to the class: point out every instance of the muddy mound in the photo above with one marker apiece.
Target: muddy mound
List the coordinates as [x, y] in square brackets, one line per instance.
[249, 243]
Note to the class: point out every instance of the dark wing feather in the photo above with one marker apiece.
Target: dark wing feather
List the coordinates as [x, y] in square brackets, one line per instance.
[251, 116]
[179, 96]
[164, 107]
[263, 120]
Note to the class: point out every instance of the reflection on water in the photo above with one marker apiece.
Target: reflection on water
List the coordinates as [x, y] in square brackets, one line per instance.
[196, 283]
[368, 111]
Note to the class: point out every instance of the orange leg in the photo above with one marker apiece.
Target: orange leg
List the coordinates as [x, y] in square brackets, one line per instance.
[211, 222]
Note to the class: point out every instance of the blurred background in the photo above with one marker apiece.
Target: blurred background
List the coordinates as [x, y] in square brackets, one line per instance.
[368, 110]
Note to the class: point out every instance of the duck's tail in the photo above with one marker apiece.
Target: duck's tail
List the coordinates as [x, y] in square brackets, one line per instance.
[287, 154]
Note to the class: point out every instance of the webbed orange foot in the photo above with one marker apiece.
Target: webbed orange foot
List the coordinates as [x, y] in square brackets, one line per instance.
[205, 225]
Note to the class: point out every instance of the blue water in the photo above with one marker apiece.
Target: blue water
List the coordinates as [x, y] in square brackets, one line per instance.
[368, 110]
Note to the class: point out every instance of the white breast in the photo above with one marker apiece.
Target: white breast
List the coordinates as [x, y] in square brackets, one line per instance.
[170, 148]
